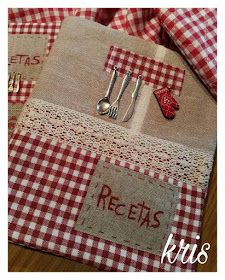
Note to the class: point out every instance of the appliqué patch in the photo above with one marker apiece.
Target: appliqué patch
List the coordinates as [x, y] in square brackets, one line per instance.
[128, 208]
[155, 73]
[26, 54]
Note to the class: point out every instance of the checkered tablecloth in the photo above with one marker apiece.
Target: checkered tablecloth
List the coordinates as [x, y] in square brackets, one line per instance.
[195, 33]
[48, 181]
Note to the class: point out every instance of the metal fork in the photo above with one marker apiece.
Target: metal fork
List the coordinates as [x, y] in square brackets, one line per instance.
[113, 110]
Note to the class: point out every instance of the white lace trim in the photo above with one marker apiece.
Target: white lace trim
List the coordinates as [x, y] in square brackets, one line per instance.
[65, 125]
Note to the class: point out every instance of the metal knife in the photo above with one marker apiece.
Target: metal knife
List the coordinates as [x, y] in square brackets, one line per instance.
[130, 109]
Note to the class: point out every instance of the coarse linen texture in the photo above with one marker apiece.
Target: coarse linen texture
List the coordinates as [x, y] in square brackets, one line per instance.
[58, 143]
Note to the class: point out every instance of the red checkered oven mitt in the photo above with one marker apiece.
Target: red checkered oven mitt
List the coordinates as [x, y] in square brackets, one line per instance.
[166, 102]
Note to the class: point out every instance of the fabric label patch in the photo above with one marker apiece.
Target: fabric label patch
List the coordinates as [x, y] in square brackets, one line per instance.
[26, 54]
[128, 208]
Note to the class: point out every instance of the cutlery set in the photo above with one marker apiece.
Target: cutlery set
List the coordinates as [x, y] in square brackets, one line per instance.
[104, 106]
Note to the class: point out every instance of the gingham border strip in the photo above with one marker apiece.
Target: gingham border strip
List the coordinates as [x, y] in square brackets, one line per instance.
[153, 72]
[52, 29]
[48, 182]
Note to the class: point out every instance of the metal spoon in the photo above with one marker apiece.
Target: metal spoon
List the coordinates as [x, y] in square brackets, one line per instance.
[104, 104]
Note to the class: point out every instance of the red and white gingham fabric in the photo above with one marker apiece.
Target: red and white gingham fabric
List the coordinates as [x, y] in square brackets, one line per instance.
[153, 72]
[48, 182]
[193, 31]
[137, 22]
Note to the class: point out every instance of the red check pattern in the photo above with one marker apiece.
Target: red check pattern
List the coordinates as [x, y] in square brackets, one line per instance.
[26, 87]
[137, 22]
[39, 14]
[194, 31]
[186, 27]
[153, 72]
[48, 182]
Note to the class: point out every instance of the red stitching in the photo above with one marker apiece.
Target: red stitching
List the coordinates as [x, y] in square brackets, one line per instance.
[160, 184]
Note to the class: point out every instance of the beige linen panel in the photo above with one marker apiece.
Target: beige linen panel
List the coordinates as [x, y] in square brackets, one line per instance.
[74, 78]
